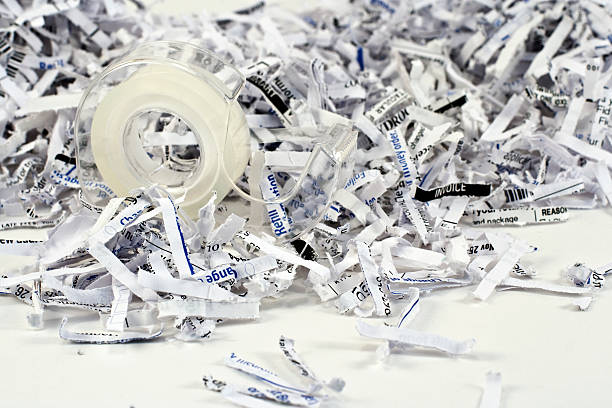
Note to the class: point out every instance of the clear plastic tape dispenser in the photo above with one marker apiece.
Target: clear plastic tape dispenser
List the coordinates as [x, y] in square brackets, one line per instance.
[166, 114]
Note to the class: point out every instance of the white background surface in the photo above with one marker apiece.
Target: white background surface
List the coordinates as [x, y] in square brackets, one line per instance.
[549, 353]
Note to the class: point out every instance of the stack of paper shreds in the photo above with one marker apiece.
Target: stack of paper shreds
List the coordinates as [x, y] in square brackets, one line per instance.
[469, 113]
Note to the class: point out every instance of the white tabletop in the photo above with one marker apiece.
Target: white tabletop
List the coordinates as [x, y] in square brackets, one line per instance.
[549, 353]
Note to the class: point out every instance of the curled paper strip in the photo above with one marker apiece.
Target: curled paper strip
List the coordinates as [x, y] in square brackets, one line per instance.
[100, 337]
[416, 338]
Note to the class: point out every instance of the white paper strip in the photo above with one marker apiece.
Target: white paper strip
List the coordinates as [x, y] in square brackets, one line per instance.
[416, 338]
[491, 395]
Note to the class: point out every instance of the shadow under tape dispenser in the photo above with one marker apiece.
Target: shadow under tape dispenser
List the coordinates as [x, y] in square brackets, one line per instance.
[166, 113]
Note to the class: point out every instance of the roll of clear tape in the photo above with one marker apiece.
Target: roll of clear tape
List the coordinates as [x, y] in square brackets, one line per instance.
[121, 158]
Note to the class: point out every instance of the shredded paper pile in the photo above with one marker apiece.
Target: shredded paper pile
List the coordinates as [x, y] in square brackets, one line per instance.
[469, 114]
